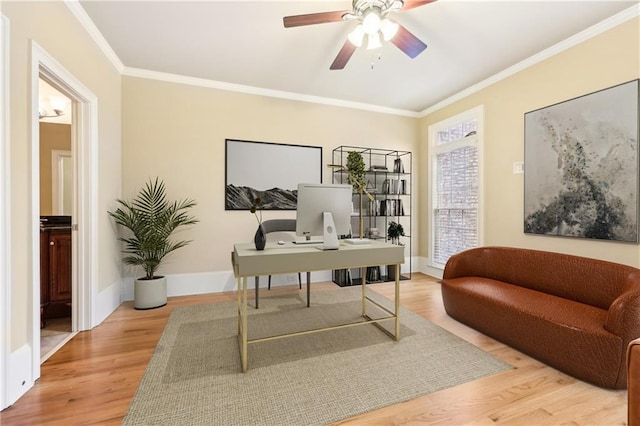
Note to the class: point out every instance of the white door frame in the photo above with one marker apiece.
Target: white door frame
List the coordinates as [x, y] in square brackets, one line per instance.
[5, 235]
[84, 142]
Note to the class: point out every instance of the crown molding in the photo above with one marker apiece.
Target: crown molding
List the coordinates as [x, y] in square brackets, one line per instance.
[221, 85]
[566, 44]
[81, 15]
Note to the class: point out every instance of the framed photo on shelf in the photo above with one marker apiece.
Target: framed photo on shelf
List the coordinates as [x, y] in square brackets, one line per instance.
[581, 166]
[270, 171]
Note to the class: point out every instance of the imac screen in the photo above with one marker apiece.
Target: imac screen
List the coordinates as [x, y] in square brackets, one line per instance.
[316, 199]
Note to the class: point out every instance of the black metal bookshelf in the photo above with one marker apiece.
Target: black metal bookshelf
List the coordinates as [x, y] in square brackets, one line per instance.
[389, 182]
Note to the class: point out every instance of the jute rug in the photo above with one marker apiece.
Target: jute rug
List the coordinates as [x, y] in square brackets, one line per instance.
[194, 375]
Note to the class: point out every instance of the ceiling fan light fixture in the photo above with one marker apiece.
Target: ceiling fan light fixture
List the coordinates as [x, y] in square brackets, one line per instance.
[356, 36]
[371, 22]
[388, 29]
[374, 41]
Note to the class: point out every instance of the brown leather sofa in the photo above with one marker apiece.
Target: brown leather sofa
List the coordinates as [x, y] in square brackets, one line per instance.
[575, 314]
[633, 369]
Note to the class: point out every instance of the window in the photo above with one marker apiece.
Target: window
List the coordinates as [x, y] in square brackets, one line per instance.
[455, 185]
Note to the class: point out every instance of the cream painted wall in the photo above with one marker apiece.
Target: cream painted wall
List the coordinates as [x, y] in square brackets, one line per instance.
[178, 132]
[57, 31]
[603, 61]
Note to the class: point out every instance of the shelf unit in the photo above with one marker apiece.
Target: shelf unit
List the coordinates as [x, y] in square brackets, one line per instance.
[389, 182]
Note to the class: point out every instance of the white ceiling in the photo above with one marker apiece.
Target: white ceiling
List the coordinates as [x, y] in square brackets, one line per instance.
[245, 43]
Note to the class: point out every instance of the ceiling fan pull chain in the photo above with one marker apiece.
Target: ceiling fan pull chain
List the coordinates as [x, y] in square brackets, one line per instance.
[373, 60]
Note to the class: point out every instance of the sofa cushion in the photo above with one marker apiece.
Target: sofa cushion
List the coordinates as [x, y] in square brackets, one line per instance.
[562, 333]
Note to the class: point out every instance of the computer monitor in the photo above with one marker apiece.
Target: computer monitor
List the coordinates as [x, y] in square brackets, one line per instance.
[324, 210]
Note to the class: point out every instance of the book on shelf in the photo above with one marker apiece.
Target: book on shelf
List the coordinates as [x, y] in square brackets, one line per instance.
[391, 207]
[394, 186]
[374, 207]
[398, 167]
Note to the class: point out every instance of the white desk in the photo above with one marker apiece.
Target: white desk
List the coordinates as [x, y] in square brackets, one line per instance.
[290, 258]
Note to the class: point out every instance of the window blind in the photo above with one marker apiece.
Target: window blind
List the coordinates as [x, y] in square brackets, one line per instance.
[455, 212]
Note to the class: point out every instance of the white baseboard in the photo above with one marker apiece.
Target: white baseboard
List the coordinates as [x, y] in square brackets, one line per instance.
[106, 302]
[20, 378]
[219, 281]
[425, 267]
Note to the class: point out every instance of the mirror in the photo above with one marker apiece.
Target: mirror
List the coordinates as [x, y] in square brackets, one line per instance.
[62, 182]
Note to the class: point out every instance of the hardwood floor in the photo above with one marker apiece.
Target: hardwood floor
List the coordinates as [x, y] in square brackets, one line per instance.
[93, 378]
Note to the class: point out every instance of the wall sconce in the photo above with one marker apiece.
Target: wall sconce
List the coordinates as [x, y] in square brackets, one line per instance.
[51, 106]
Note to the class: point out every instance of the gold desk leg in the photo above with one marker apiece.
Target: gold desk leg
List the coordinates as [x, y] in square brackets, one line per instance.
[308, 289]
[364, 291]
[397, 302]
[243, 348]
[239, 284]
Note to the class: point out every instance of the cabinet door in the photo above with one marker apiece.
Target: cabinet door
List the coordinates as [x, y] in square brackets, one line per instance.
[60, 266]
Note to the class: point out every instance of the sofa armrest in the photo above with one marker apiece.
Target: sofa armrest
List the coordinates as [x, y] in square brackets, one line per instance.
[623, 316]
[633, 383]
[464, 264]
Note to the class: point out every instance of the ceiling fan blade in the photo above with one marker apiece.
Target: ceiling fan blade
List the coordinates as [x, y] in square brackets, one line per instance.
[408, 43]
[412, 4]
[343, 56]
[314, 18]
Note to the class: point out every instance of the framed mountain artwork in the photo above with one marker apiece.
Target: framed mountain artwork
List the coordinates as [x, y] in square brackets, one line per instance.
[270, 171]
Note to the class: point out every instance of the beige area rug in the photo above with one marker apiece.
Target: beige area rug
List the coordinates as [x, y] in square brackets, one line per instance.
[194, 375]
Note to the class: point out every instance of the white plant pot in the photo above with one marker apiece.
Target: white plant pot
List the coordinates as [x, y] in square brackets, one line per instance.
[149, 294]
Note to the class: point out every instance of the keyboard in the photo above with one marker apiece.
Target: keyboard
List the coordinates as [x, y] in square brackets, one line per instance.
[307, 242]
[357, 241]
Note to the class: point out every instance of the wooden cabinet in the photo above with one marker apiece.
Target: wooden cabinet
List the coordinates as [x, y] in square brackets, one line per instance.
[55, 272]
[60, 265]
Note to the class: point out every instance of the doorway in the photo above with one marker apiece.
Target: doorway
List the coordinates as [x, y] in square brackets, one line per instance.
[56, 217]
[83, 242]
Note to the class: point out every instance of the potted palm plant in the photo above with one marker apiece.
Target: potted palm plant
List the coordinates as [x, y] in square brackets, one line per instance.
[150, 220]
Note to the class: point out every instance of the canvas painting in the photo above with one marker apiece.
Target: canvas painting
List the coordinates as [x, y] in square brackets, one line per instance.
[581, 166]
[270, 171]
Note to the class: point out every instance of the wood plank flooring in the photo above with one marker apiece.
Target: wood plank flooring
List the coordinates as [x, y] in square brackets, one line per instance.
[93, 378]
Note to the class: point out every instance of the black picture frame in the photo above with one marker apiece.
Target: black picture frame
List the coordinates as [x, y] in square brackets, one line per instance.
[581, 166]
[270, 171]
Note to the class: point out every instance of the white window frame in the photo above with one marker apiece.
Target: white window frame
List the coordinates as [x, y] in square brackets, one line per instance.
[477, 114]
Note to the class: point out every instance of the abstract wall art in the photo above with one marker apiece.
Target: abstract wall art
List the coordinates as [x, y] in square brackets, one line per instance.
[270, 171]
[581, 166]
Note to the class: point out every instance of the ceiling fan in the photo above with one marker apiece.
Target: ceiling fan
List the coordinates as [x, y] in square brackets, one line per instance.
[372, 23]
